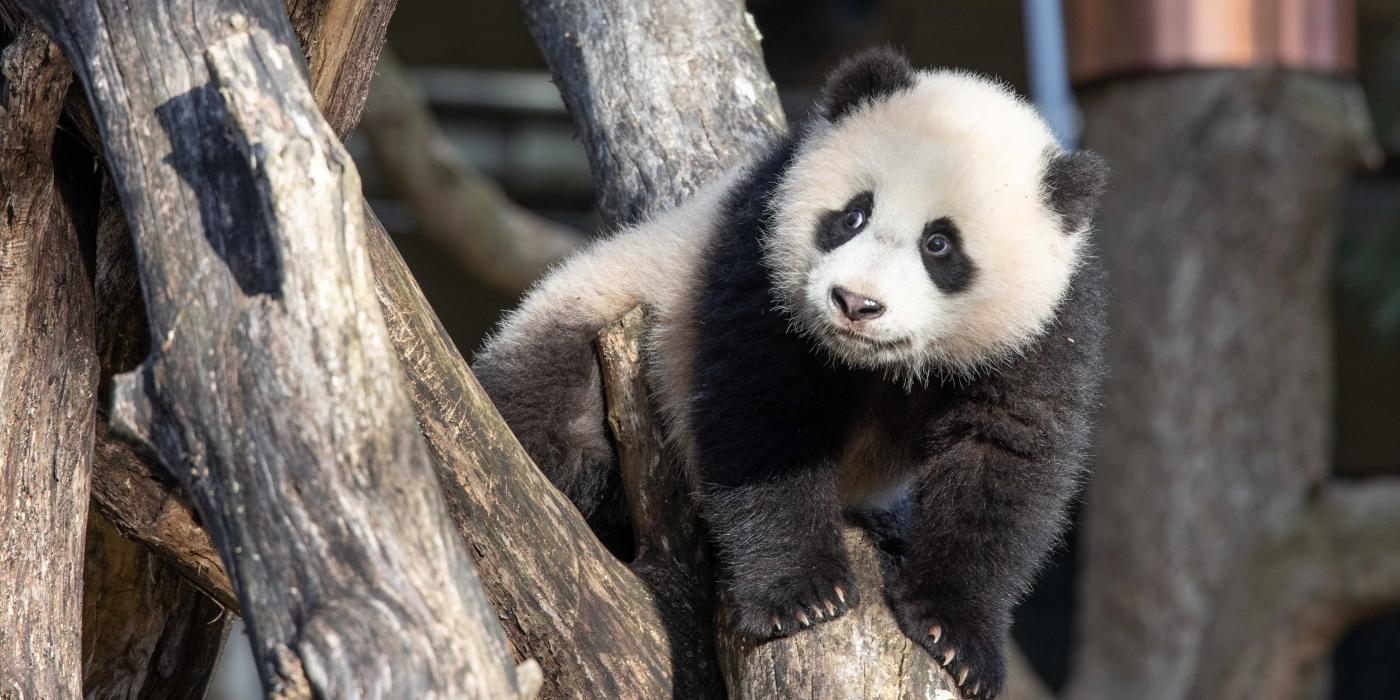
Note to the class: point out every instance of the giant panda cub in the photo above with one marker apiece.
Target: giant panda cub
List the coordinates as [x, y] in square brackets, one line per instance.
[895, 309]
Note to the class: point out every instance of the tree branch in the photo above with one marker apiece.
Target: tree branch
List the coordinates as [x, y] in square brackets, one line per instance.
[48, 379]
[464, 213]
[271, 393]
[665, 94]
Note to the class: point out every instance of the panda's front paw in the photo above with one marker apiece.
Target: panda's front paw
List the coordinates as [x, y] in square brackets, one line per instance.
[972, 654]
[787, 604]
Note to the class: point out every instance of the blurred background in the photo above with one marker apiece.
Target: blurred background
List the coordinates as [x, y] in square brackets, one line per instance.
[1254, 237]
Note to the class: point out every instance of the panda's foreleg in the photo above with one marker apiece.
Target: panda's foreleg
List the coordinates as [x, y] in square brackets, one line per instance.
[782, 565]
[988, 505]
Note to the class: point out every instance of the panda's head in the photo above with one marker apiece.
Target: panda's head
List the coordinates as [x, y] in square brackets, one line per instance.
[929, 222]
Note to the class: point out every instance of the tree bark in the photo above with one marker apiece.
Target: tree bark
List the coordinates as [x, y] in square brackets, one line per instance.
[665, 94]
[147, 632]
[1218, 233]
[341, 40]
[48, 379]
[270, 391]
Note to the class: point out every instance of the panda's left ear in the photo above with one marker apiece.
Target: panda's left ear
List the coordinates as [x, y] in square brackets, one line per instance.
[1074, 182]
[866, 77]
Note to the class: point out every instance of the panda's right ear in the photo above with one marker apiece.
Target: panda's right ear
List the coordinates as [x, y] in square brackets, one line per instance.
[869, 76]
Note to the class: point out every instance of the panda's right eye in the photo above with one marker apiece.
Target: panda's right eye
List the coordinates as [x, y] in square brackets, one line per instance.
[854, 219]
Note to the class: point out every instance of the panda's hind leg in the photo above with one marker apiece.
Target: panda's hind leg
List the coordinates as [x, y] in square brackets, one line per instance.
[544, 379]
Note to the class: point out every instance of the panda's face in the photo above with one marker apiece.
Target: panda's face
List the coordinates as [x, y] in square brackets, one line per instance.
[915, 235]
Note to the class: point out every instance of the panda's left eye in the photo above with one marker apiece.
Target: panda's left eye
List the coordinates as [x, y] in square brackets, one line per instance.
[938, 245]
[854, 219]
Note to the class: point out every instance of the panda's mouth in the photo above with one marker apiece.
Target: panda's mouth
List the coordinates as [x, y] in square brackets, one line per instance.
[872, 343]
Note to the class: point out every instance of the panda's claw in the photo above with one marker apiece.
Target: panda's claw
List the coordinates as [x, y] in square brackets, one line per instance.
[802, 617]
[841, 594]
[971, 653]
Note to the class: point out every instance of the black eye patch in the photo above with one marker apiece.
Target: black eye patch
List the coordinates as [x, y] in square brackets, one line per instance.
[950, 268]
[833, 228]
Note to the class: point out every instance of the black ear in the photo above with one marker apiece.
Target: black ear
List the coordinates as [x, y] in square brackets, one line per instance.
[1073, 184]
[868, 76]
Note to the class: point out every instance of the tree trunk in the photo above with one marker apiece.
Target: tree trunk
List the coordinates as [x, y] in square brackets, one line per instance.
[48, 379]
[1218, 232]
[270, 391]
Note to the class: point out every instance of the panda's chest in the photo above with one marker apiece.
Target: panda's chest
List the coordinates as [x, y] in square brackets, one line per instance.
[878, 458]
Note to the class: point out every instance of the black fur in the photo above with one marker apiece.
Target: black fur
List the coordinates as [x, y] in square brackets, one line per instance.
[832, 230]
[550, 392]
[1001, 456]
[1073, 184]
[866, 77]
[954, 271]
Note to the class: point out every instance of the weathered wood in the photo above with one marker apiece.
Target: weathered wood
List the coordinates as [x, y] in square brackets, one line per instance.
[342, 39]
[858, 657]
[1218, 234]
[270, 390]
[147, 632]
[48, 380]
[346, 36]
[665, 93]
[141, 506]
[605, 638]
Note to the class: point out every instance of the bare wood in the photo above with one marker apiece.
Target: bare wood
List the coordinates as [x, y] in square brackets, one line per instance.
[48, 380]
[147, 632]
[250, 430]
[141, 506]
[532, 547]
[462, 212]
[1218, 232]
[342, 39]
[345, 36]
[136, 597]
[665, 94]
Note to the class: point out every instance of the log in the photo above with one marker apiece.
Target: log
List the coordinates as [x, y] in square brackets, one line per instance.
[344, 37]
[665, 93]
[148, 629]
[48, 381]
[1218, 234]
[270, 391]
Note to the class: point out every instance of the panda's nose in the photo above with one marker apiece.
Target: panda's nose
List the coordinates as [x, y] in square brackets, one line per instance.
[855, 306]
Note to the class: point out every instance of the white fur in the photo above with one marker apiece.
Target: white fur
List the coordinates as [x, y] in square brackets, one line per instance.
[953, 145]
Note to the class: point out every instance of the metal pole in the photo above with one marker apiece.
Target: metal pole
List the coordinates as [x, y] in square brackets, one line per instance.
[1049, 68]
